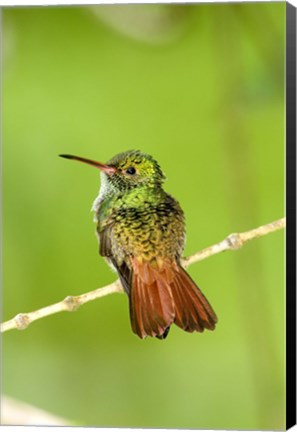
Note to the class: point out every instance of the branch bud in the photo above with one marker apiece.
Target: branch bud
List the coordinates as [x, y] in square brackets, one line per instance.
[22, 321]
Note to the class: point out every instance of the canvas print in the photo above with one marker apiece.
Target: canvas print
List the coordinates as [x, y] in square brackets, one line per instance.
[144, 192]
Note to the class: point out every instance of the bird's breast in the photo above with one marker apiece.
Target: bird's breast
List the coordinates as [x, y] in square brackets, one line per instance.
[150, 230]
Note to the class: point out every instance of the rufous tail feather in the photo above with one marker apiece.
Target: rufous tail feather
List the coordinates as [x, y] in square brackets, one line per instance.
[162, 293]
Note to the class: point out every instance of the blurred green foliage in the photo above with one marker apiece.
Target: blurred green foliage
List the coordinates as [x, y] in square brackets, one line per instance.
[205, 96]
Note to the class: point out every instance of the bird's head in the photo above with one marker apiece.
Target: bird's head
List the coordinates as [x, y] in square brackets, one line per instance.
[127, 170]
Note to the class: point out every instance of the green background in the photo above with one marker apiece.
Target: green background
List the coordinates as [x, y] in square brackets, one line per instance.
[201, 88]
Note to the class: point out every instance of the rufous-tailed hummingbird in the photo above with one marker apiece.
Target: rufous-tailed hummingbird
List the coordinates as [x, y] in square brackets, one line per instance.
[141, 233]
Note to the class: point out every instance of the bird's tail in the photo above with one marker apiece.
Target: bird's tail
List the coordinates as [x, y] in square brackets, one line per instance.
[162, 293]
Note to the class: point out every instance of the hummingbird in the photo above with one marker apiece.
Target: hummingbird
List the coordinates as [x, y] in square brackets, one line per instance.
[141, 233]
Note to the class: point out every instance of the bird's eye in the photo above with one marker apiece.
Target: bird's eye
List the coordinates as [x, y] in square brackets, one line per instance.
[131, 170]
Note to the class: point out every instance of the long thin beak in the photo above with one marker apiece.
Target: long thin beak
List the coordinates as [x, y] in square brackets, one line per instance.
[110, 170]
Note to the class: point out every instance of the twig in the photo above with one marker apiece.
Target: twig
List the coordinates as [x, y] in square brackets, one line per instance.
[235, 241]
[72, 303]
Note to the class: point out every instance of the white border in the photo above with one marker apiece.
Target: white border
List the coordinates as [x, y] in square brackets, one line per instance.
[11, 3]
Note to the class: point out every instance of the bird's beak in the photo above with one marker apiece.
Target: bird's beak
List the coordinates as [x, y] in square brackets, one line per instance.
[110, 170]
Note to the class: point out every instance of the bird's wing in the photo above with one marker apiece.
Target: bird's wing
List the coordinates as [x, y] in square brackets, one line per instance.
[105, 250]
[105, 241]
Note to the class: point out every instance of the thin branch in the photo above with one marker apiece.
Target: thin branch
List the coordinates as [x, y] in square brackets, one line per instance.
[72, 303]
[235, 241]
